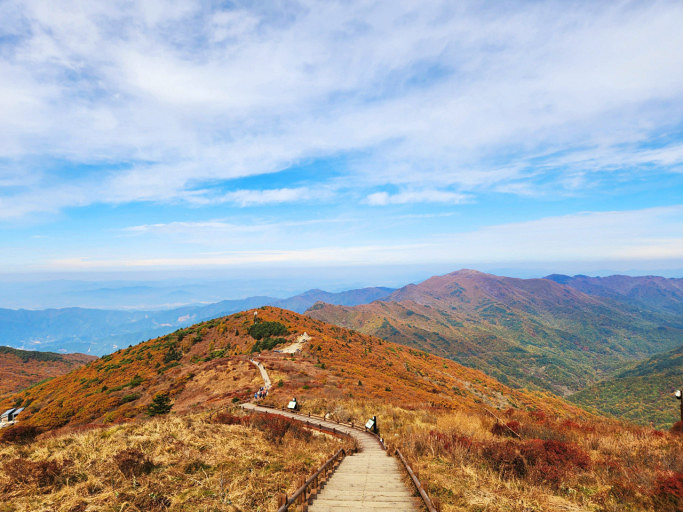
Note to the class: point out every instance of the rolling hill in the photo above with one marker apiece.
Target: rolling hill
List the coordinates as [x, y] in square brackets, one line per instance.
[21, 368]
[478, 444]
[642, 393]
[100, 332]
[534, 333]
[207, 365]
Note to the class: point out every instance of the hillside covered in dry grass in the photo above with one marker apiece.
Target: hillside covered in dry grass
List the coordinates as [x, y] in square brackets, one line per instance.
[476, 443]
[220, 462]
[207, 365]
[22, 368]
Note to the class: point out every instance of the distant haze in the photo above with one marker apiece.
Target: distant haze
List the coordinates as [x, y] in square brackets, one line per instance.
[169, 289]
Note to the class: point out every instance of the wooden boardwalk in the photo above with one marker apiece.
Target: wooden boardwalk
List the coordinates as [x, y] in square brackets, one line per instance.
[367, 480]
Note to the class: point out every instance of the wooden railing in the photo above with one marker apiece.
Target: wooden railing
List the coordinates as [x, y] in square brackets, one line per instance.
[432, 505]
[311, 486]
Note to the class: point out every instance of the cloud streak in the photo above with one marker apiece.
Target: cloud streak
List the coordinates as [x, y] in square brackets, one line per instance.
[188, 97]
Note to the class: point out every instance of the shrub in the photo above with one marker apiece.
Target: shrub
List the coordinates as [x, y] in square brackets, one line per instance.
[20, 434]
[130, 398]
[173, 354]
[677, 427]
[267, 344]
[506, 459]
[135, 381]
[267, 329]
[275, 427]
[161, 404]
[132, 462]
[225, 418]
[506, 429]
[668, 492]
[541, 461]
[45, 473]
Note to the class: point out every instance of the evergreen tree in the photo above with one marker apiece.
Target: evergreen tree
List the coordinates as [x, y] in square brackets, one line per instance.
[161, 404]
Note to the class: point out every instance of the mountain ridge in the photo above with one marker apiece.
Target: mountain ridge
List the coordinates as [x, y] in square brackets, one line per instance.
[100, 331]
[526, 332]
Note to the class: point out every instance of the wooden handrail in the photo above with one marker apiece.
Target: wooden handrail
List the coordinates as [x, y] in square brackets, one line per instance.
[431, 505]
[337, 457]
[341, 453]
[425, 497]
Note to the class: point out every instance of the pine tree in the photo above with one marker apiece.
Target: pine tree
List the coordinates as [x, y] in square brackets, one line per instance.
[161, 404]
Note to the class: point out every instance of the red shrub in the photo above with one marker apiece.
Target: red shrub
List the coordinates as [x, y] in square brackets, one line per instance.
[225, 418]
[552, 461]
[677, 428]
[133, 462]
[542, 461]
[275, 427]
[539, 416]
[506, 459]
[448, 442]
[20, 434]
[668, 492]
[508, 429]
[46, 473]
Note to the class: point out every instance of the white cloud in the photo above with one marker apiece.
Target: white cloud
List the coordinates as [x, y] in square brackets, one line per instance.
[419, 196]
[187, 97]
[654, 234]
[260, 197]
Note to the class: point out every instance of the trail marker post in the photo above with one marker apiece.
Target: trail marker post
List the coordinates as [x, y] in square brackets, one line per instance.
[678, 396]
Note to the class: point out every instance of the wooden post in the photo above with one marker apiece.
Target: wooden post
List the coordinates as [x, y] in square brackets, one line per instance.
[281, 499]
[437, 504]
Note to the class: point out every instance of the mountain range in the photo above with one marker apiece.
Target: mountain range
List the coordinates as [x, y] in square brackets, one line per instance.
[207, 364]
[99, 332]
[538, 333]
[85, 440]
[578, 336]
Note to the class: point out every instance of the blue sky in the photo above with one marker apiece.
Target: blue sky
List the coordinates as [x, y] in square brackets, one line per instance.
[147, 136]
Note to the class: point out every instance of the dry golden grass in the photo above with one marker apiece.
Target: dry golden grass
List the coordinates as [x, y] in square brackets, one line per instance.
[458, 459]
[196, 465]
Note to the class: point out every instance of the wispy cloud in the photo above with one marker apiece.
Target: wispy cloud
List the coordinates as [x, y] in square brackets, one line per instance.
[187, 97]
[653, 234]
[420, 196]
[260, 197]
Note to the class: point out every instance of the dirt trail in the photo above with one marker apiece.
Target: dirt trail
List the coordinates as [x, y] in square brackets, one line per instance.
[264, 373]
[297, 345]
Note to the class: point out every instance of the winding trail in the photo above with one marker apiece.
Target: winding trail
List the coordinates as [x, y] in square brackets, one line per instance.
[264, 373]
[366, 480]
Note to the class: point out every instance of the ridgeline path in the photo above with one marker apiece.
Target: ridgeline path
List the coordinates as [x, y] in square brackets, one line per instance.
[366, 480]
[264, 373]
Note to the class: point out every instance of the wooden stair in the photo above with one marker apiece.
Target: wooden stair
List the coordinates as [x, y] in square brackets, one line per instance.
[367, 480]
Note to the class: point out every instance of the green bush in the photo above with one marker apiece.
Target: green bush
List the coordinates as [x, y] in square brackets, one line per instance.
[267, 344]
[267, 329]
[130, 398]
[173, 354]
[161, 404]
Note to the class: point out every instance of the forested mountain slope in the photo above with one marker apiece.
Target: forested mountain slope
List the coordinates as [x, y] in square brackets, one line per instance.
[642, 394]
[524, 332]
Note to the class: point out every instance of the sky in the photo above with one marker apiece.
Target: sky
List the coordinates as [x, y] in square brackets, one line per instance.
[213, 136]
